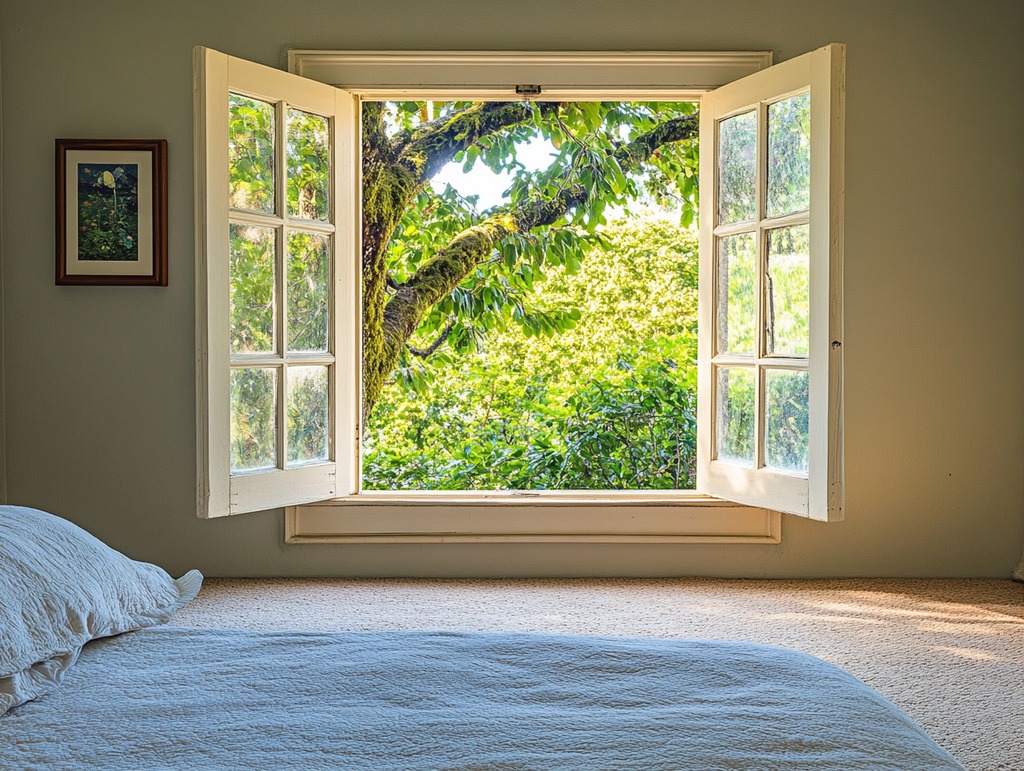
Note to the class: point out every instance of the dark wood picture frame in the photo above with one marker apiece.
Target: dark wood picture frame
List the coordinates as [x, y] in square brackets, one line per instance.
[111, 212]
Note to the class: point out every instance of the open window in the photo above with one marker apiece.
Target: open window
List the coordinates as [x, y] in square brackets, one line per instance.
[771, 343]
[278, 295]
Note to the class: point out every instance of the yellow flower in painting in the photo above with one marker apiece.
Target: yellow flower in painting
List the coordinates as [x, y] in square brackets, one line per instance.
[108, 179]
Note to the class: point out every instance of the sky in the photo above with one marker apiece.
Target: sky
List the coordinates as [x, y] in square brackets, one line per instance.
[490, 186]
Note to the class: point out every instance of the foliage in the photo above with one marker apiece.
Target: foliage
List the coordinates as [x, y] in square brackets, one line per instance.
[607, 403]
[309, 170]
[586, 140]
[108, 212]
[251, 135]
[255, 300]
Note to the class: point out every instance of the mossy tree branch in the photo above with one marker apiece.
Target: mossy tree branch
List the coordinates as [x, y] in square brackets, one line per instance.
[395, 170]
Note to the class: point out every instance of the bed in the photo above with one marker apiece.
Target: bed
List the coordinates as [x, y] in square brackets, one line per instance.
[155, 696]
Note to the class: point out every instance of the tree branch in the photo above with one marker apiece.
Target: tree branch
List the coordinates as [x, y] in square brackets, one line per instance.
[424, 353]
[428, 147]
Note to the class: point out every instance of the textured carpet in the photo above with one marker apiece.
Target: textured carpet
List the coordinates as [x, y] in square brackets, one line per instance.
[950, 653]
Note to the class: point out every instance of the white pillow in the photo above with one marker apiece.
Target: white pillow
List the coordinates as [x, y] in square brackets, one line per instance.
[59, 588]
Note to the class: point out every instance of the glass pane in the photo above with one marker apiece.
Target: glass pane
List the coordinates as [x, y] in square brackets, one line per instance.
[789, 155]
[252, 288]
[251, 154]
[253, 419]
[307, 414]
[737, 149]
[789, 299]
[786, 420]
[308, 291]
[737, 295]
[309, 165]
[734, 425]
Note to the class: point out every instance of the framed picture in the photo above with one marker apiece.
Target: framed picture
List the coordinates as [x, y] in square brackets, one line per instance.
[112, 212]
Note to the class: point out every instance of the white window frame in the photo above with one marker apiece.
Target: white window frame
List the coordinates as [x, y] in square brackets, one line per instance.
[632, 516]
[219, 492]
[819, 493]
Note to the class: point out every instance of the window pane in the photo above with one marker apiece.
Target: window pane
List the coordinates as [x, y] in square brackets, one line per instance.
[789, 155]
[737, 296]
[786, 420]
[789, 301]
[308, 291]
[251, 154]
[737, 149]
[307, 414]
[309, 165]
[252, 288]
[734, 425]
[253, 418]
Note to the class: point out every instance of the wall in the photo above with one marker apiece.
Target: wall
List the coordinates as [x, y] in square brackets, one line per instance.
[100, 396]
[3, 443]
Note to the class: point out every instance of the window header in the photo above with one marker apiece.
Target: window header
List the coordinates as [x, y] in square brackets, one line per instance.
[561, 75]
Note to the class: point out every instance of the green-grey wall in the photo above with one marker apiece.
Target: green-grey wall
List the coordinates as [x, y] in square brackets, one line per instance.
[99, 382]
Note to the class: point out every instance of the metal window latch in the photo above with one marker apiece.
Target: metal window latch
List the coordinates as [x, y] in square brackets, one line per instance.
[526, 90]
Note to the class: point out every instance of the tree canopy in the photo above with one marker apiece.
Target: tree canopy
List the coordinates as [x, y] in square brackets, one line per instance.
[437, 271]
[607, 404]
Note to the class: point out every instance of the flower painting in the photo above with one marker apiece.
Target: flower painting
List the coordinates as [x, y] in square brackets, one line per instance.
[108, 211]
[111, 212]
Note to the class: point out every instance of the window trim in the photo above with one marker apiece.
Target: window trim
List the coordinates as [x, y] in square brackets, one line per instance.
[640, 516]
[562, 517]
[553, 516]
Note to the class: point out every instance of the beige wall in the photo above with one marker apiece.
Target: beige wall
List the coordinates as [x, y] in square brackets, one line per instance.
[99, 381]
[3, 443]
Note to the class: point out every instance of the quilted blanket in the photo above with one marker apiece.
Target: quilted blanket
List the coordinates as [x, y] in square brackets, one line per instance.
[167, 698]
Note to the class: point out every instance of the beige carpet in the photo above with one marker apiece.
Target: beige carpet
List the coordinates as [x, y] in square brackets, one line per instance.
[950, 653]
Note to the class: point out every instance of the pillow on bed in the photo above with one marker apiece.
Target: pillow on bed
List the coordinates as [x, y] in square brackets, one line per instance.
[59, 588]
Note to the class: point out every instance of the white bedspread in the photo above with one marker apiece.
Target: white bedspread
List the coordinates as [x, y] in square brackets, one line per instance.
[216, 699]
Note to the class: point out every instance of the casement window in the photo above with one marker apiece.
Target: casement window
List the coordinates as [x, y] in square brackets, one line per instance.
[278, 377]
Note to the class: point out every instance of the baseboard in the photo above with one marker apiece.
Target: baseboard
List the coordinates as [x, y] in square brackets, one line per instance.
[1018, 574]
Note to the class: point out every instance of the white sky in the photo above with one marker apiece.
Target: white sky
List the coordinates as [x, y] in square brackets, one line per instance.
[484, 182]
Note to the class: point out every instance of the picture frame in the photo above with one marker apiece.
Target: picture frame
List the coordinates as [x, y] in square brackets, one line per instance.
[111, 212]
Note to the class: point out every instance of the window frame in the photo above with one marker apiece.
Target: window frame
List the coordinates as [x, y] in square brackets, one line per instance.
[612, 516]
[819, 494]
[219, 492]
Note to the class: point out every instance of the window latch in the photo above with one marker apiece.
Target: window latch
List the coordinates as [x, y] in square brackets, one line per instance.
[527, 90]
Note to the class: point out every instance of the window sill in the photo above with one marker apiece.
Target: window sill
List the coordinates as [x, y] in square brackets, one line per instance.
[549, 517]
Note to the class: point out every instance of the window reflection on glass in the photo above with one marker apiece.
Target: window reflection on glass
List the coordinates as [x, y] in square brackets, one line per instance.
[308, 295]
[253, 418]
[789, 299]
[250, 154]
[786, 394]
[737, 151]
[309, 165]
[737, 295]
[253, 265]
[789, 155]
[307, 414]
[734, 424]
